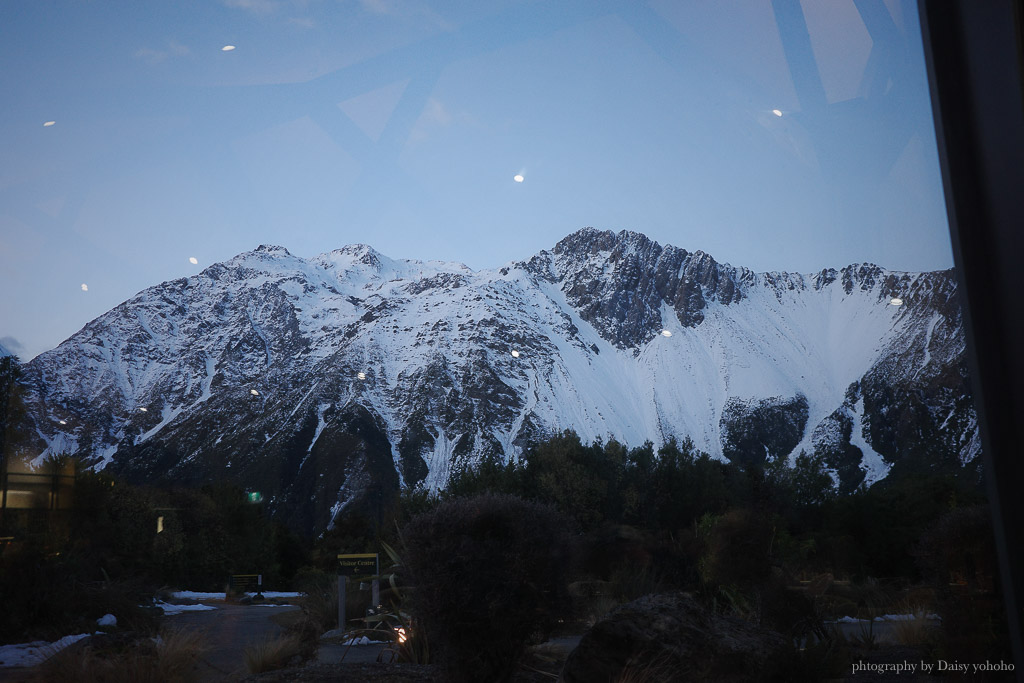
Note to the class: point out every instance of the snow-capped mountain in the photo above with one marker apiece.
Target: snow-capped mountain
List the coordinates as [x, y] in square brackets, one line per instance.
[319, 380]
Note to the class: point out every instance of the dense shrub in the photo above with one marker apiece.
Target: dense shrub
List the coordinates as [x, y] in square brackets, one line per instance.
[48, 595]
[879, 526]
[205, 534]
[737, 549]
[487, 574]
[108, 554]
[958, 556]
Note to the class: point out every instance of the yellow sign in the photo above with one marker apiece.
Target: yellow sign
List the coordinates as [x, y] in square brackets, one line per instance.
[358, 564]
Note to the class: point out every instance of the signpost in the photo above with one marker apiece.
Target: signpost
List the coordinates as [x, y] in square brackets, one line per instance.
[358, 566]
[248, 583]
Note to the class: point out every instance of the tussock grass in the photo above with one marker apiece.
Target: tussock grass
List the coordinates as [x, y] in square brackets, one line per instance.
[178, 650]
[319, 599]
[273, 653]
[656, 670]
[171, 659]
[597, 608]
[916, 630]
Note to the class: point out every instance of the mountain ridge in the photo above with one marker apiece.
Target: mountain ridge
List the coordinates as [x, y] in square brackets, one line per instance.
[251, 369]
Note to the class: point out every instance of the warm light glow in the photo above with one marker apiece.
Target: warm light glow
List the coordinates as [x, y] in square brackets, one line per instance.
[518, 177]
[254, 392]
[400, 633]
[193, 260]
[776, 112]
[227, 48]
[85, 287]
[63, 422]
[360, 375]
[48, 124]
[143, 410]
[895, 301]
[515, 354]
[666, 333]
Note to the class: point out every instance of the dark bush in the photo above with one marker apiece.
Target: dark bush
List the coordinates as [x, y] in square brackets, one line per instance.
[737, 549]
[45, 596]
[958, 556]
[487, 574]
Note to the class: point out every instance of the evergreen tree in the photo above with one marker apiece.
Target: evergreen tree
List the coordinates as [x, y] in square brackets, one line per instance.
[12, 408]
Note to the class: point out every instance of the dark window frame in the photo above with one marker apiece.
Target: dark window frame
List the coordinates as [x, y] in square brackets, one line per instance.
[973, 51]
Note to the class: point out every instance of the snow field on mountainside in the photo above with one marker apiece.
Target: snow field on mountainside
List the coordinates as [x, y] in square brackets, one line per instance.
[300, 332]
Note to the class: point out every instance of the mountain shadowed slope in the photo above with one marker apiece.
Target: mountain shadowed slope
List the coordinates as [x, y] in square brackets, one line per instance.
[320, 380]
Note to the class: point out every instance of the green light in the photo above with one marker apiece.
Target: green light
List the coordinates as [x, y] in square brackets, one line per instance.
[254, 497]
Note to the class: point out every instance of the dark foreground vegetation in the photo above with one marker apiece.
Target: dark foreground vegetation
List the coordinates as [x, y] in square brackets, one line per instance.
[775, 546]
[509, 554]
[63, 569]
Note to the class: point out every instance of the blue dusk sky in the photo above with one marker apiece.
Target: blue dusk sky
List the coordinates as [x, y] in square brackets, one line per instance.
[778, 135]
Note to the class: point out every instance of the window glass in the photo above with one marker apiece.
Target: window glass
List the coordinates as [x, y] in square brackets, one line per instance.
[788, 136]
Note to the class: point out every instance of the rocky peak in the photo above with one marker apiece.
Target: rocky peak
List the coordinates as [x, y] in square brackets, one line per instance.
[265, 260]
[620, 282]
[586, 242]
[272, 250]
[862, 275]
[826, 277]
[361, 253]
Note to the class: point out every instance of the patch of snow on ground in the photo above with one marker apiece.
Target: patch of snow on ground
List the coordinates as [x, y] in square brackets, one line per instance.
[178, 609]
[36, 652]
[887, 617]
[195, 595]
[906, 617]
[362, 640]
